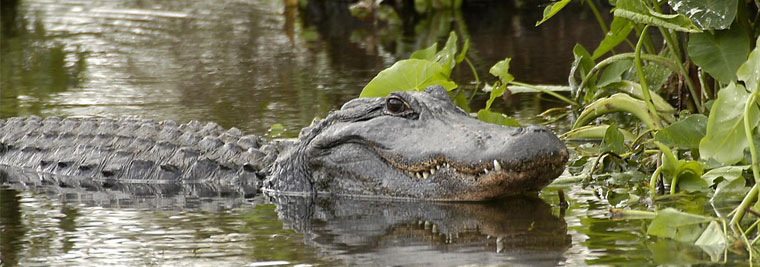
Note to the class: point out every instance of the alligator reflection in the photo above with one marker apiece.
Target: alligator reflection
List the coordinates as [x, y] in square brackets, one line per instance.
[370, 232]
[355, 231]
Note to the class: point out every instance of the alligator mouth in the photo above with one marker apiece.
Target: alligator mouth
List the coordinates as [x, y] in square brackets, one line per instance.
[446, 168]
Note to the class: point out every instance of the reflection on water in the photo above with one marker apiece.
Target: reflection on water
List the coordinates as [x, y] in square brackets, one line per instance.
[246, 63]
[69, 226]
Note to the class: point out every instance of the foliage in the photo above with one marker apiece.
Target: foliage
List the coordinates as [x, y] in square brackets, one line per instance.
[703, 148]
[685, 111]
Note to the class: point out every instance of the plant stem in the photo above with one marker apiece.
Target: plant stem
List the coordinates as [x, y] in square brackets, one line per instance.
[544, 90]
[705, 87]
[752, 195]
[673, 46]
[477, 80]
[653, 180]
[598, 17]
[643, 81]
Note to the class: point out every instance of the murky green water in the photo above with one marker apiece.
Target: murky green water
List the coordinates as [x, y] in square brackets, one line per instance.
[250, 64]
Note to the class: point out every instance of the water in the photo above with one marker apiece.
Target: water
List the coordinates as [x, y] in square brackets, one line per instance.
[251, 64]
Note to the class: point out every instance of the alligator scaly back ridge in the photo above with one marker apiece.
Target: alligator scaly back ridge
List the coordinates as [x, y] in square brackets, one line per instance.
[133, 151]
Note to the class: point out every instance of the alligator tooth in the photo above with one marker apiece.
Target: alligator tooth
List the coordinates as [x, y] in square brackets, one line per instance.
[410, 173]
[432, 171]
[419, 176]
[437, 167]
[425, 175]
[496, 166]
[485, 171]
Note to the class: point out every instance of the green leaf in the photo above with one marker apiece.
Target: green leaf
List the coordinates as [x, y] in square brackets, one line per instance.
[461, 101]
[501, 70]
[730, 183]
[720, 53]
[634, 10]
[497, 118]
[670, 162]
[749, 72]
[407, 75]
[495, 93]
[552, 9]
[426, 54]
[619, 31]
[448, 55]
[732, 190]
[463, 53]
[684, 134]
[678, 225]
[582, 65]
[728, 173]
[725, 139]
[707, 14]
[634, 89]
[595, 132]
[690, 177]
[613, 140]
[614, 72]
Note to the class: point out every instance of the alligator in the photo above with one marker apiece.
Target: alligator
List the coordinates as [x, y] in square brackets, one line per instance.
[408, 145]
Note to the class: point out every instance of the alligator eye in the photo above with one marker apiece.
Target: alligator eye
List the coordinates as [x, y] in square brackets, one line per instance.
[395, 105]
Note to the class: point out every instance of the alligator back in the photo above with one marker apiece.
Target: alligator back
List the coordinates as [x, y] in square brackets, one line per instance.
[129, 151]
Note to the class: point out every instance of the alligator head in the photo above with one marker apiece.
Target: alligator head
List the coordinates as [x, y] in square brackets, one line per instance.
[416, 145]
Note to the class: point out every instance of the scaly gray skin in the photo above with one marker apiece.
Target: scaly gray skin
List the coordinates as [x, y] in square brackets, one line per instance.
[414, 145]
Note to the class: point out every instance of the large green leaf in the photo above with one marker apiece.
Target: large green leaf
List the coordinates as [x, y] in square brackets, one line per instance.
[407, 75]
[725, 139]
[684, 134]
[637, 12]
[426, 54]
[749, 72]
[619, 31]
[720, 53]
[552, 9]
[678, 225]
[707, 14]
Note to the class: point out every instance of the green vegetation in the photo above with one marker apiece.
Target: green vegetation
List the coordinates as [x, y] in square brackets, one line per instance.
[672, 93]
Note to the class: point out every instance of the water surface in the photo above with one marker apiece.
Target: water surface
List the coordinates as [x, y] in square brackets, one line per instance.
[251, 64]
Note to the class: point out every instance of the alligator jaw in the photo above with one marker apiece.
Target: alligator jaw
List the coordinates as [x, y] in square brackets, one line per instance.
[495, 179]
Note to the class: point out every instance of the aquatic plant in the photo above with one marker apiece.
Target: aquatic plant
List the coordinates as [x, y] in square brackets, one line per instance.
[684, 114]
